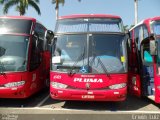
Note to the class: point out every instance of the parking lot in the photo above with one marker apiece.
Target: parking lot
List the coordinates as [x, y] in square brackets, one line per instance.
[45, 107]
[43, 100]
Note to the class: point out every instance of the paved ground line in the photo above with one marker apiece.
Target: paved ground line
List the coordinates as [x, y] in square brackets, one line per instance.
[44, 100]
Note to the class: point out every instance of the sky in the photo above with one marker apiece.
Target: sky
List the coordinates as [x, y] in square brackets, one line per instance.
[122, 8]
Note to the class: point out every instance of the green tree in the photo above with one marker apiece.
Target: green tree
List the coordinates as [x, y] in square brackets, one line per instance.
[21, 5]
[127, 27]
[57, 2]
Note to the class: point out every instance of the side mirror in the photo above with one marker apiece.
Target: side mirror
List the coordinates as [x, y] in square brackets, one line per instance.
[147, 57]
[36, 38]
[127, 32]
[153, 44]
[153, 47]
[49, 36]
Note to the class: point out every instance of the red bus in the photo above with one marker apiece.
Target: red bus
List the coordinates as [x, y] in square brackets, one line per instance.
[144, 64]
[89, 59]
[24, 58]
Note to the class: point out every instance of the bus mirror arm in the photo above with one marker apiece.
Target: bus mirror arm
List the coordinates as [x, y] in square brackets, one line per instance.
[36, 37]
[127, 32]
[49, 36]
[153, 45]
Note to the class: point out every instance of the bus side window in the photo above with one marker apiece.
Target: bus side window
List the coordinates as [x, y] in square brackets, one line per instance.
[138, 36]
[145, 32]
[35, 54]
[40, 30]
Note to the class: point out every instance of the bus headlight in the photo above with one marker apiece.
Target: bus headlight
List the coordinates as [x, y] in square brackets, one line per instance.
[14, 84]
[118, 86]
[58, 85]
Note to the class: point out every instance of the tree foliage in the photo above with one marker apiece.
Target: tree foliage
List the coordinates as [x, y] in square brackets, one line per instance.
[21, 5]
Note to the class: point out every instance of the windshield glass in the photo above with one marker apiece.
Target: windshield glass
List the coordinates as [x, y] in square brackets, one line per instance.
[156, 27]
[103, 50]
[13, 53]
[89, 25]
[110, 50]
[15, 26]
[68, 50]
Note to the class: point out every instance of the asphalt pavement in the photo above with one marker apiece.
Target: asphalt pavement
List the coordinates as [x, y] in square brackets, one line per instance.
[41, 106]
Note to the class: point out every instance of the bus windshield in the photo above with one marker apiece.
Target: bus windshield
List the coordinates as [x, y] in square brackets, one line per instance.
[13, 53]
[111, 51]
[156, 27]
[100, 50]
[89, 25]
[15, 26]
[68, 49]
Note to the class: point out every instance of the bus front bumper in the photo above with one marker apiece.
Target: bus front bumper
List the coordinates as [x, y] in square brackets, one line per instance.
[15, 92]
[89, 95]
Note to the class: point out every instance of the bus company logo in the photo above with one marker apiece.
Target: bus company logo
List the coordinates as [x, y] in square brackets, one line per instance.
[88, 86]
[88, 80]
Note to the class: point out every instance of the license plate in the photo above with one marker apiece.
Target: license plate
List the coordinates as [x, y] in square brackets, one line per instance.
[87, 96]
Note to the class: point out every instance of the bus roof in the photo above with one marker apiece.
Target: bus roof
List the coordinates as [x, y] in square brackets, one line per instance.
[146, 21]
[89, 16]
[152, 19]
[18, 17]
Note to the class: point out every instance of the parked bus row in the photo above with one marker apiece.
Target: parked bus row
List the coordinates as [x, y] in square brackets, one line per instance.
[88, 57]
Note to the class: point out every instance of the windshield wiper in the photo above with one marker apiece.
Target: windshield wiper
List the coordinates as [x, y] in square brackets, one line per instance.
[70, 73]
[103, 66]
[2, 51]
[2, 68]
[101, 63]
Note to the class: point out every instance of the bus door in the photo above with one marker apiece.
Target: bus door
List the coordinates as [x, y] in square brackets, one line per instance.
[141, 71]
[148, 80]
[35, 65]
[134, 84]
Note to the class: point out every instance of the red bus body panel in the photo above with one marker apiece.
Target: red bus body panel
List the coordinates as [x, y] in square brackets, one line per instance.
[32, 84]
[98, 91]
[157, 90]
[134, 86]
[156, 80]
[34, 81]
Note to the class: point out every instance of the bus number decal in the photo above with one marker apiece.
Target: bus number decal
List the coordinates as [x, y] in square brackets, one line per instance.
[57, 77]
